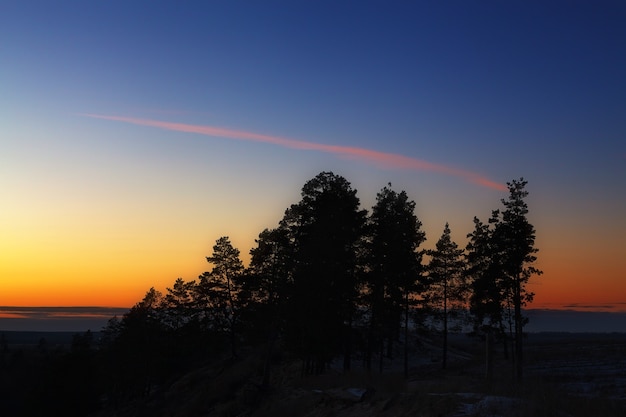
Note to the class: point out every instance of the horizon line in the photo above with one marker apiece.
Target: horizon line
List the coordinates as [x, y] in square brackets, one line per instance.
[604, 308]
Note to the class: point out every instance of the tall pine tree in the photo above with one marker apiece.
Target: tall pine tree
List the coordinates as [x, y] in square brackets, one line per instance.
[325, 228]
[217, 291]
[517, 236]
[394, 236]
[446, 283]
[500, 263]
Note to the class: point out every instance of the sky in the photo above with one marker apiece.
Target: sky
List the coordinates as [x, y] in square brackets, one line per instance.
[133, 135]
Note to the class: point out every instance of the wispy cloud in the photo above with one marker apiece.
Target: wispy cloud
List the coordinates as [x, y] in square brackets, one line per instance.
[380, 159]
[594, 307]
[56, 319]
[44, 313]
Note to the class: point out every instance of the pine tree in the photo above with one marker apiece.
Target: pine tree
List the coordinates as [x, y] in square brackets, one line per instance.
[500, 259]
[269, 284]
[178, 304]
[217, 292]
[446, 284]
[517, 236]
[394, 269]
[324, 228]
[485, 278]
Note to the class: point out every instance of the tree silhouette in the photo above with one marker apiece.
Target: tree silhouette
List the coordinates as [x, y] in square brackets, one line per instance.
[218, 290]
[268, 285]
[324, 229]
[178, 304]
[136, 351]
[446, 285]
[270, 271]
[394, 267]
[484, 272]
[500, 258]
[517, 235]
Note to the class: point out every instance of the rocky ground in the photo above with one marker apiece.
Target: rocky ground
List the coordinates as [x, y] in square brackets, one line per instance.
[567, 375]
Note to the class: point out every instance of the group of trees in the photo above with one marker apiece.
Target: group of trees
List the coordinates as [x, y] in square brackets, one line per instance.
[500, 257]
[331, 281]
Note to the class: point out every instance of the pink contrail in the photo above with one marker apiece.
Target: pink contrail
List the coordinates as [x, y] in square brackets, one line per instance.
[381, 159]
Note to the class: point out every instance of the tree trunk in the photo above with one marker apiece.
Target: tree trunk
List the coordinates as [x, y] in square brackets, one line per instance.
[382, 354]
[268, 359]
[406, 335]
[505, 341]
[368, 349]
[233, 349]
[390, 345]
[233, 340]
[444, 361]
[347, 363]
[518, 331]
[489, 354]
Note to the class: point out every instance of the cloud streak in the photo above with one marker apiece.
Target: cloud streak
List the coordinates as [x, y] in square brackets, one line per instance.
[377, 158]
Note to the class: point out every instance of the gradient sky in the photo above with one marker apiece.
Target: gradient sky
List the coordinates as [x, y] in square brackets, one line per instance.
[132, 136]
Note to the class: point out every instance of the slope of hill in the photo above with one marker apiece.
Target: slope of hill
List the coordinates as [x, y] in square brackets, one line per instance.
[562, 378]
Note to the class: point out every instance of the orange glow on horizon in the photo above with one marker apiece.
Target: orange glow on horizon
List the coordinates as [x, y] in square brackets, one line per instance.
[92, 267]
[559, 289]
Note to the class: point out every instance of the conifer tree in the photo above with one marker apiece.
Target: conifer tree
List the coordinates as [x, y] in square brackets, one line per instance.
[500, 259]
[178, 304]
[270, 272]
[446, 284]
[217, 291]
[268, 284]
[324, 229]
[484, 273]
[394, 268]
[517, 236]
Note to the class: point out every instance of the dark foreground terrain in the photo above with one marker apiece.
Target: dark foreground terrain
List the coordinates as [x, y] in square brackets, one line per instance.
[566, 375]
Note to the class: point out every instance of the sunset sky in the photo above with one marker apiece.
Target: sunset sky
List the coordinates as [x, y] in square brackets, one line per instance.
[132, 136]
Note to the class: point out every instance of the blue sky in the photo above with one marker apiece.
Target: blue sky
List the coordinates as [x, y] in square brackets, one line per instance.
[499, 89]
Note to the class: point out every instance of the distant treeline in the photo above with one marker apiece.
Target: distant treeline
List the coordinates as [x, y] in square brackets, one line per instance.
[331, 281]
[34, 338]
